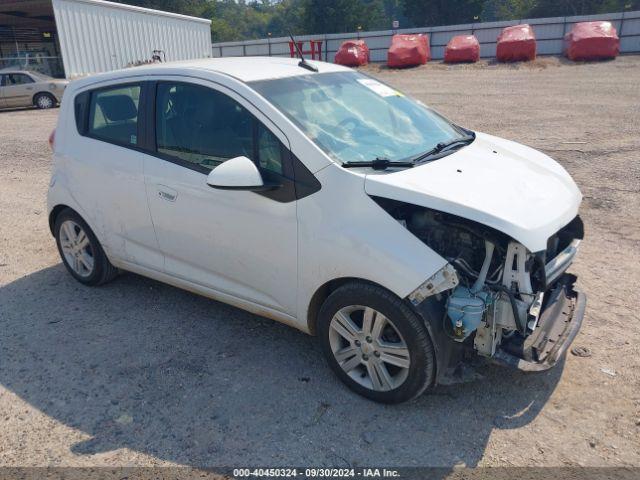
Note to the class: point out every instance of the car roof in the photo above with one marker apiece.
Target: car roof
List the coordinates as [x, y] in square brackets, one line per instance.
[248, 69]
[245, 69]
[26, 72]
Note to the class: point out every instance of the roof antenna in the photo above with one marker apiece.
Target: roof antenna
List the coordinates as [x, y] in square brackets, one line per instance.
[302, 63]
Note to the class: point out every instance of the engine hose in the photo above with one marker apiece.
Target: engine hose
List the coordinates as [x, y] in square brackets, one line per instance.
[482, 275]
[522, 327]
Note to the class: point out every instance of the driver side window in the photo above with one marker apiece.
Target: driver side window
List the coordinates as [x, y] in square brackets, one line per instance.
[201, 126]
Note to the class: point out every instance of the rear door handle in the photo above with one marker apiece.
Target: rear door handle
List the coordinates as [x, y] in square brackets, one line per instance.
[166, 193]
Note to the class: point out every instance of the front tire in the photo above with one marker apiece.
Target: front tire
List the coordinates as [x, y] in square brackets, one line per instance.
[375, 343]
[80, 250]
[44, 101]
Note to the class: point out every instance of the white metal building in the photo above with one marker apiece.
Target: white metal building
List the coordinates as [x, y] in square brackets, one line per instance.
[73, 38]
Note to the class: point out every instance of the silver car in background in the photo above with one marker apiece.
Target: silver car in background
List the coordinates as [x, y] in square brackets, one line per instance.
[20, 88]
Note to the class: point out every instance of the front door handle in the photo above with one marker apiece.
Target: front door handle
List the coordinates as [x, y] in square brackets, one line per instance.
[166, 193]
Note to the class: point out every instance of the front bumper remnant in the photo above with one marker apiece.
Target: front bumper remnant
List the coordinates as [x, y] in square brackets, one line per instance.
[557, 327]
[556, 267]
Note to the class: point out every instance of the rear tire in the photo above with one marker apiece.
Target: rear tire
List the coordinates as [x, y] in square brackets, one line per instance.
[44, 101]
[375, 343]
[81, 253]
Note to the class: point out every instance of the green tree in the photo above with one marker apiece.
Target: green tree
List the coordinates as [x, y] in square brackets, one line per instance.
[553, 8]
[393, 10]
[231, 20]
[185, 7]
[288, 16]
[336, 16]
[248, 19]
[494, 10]
[515, 9]
[441, 12]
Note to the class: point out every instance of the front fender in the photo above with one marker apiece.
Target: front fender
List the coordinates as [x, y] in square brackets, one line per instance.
[343, 233]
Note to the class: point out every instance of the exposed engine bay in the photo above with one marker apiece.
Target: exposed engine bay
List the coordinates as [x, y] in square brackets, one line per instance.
[501, 289]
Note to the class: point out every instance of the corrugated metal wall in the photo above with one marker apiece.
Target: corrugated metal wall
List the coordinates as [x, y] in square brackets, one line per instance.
[549, 34]
[97, 36]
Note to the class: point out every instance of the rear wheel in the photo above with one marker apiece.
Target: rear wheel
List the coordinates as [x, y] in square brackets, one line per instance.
[44, 101]
[375, 343]
[80, 250]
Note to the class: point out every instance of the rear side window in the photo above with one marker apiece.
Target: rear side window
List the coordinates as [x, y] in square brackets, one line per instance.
[113, 114]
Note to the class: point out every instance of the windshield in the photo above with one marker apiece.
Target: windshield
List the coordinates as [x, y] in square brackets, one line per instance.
[355, 118]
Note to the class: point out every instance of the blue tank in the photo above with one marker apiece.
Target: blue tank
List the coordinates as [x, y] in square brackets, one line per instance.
[466, 310]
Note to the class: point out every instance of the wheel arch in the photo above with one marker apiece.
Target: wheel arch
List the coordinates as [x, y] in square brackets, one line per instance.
[447, 353]
[53, 215]
[44, 92]
[323, 292]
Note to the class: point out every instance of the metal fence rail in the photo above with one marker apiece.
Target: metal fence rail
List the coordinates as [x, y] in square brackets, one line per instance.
[549, 34]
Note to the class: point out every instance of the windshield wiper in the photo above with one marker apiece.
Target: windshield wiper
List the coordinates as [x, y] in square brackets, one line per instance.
[443, 146]
[378, 164]
[384, 163]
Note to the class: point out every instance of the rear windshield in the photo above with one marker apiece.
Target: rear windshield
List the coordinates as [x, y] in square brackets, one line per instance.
[40, 76]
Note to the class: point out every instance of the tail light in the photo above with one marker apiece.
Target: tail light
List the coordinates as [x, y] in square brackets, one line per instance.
[52, 138]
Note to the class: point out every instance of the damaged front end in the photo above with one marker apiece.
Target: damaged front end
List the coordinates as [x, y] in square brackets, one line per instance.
[494, 297]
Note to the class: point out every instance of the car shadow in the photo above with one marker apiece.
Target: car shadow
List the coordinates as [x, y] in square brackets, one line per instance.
[149, 367]
[25, 109]
[16, 109]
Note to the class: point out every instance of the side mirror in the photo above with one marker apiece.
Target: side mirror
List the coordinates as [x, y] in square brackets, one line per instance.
[238, 173]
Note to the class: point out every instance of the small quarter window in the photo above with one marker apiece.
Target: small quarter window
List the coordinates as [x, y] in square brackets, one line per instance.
[269, 151]
[113, 114]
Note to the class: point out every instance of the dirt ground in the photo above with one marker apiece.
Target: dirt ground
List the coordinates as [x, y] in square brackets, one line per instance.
[140, 373]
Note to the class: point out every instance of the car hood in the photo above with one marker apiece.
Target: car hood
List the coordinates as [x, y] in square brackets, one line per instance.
[502, 184]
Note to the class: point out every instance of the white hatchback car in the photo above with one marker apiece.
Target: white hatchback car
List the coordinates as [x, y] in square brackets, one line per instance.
[317, 196]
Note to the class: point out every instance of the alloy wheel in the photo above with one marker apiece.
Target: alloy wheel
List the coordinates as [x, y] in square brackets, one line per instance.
[76, 248]
[44, 101]
[369, 348]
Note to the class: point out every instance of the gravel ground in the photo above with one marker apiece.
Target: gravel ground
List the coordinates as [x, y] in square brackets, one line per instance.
[140, 373]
